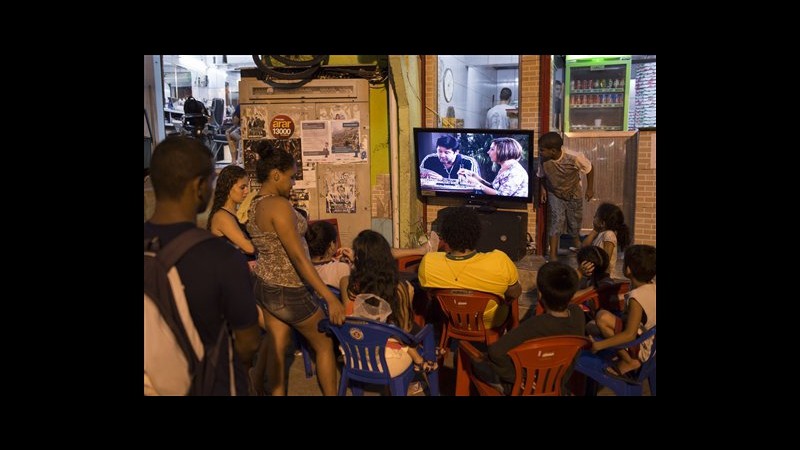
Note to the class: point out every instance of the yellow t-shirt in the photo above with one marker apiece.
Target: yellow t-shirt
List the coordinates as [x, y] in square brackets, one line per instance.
[490, 272]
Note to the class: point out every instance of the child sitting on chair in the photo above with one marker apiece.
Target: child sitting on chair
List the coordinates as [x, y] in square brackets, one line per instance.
[639, 315]
[592, 269]
[556, 283]
[398, 355]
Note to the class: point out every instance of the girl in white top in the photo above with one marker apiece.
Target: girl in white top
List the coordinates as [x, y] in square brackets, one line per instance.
[610, 233]
[331, 262]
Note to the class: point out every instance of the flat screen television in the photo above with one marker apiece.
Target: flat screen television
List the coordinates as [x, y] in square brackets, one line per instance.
[484, 165]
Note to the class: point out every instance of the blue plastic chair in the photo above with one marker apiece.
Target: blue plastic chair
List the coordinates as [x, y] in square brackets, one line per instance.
[364, 344]
[594, 366]
[303, 344]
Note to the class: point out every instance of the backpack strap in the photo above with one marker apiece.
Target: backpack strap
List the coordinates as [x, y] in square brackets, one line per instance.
[175, 312]
[177, 247]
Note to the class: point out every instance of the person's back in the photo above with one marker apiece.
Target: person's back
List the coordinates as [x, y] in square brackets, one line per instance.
[497, 117]
[215, 276]
[556, 283]
[464, 267]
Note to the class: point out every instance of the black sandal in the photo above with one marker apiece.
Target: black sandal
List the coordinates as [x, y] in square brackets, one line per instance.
[426, 366]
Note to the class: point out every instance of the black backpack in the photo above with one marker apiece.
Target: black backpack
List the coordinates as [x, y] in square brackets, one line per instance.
[175, 360]
[194, 106]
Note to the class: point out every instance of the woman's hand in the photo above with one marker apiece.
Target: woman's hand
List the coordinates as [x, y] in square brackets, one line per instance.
[335, 311]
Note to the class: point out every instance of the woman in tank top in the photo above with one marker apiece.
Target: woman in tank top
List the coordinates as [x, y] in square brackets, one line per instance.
[285, 275]
[230, 191]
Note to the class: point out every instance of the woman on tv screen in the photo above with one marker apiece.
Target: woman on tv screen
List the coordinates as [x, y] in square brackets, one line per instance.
[511, 179]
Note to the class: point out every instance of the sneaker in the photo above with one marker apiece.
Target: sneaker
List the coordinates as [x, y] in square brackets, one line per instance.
[298, 352]
[574, 249]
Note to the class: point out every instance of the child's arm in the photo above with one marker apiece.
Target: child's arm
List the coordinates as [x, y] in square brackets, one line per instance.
[608, 246]
[626, 335]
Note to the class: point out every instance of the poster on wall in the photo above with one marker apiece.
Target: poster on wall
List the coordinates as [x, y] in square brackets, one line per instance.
[339, 111]
[346, 142]
[254, 123]
[309, 179]
[316, 135]
[340, 191]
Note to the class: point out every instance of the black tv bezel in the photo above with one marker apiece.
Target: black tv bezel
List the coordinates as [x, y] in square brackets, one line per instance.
[472, 197]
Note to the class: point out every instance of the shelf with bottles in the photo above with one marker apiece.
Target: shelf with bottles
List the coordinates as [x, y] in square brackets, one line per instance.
[599, 105]
[595, 128]
[597, 91]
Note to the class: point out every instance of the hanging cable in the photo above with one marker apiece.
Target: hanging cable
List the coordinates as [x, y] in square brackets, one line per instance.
[294, 74]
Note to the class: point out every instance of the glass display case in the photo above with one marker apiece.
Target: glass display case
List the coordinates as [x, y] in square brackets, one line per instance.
[597, 93]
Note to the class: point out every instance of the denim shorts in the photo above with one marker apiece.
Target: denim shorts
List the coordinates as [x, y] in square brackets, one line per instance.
[289, 304]
[564, 212]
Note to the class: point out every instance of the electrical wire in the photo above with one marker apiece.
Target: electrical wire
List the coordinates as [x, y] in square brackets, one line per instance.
[297, 72]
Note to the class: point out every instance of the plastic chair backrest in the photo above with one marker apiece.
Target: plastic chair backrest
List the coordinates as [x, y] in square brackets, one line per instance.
[464, 309]
[409, 263]
[363, 342]
[607, 297]
[540, 366]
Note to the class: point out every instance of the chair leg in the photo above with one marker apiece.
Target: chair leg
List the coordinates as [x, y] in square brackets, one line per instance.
[398, 387]
[357, 388]
[651, 380]
[462, 378]
[342, 385]
[433, 383]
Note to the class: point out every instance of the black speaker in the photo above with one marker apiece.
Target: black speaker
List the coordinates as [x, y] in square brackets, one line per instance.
[504, 230]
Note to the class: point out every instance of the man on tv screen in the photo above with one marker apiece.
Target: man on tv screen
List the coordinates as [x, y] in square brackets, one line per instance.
[447, 161]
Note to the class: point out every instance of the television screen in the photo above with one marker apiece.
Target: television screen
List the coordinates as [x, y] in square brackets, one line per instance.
[478, 164]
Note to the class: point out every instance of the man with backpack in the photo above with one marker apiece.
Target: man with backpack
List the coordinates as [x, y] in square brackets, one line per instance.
[216, 280]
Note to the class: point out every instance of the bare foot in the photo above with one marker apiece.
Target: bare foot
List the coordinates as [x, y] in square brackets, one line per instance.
[625, 367]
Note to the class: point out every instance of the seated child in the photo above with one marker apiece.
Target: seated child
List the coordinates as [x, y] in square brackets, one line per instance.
[556, 283]
[398, 355]
[639, 315]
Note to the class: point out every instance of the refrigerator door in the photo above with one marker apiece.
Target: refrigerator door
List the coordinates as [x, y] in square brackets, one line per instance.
[597, 93]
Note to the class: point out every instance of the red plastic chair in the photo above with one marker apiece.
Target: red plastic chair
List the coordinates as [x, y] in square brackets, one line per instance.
[409, 263]
[463, 310]
[605, 298]
[539, 365]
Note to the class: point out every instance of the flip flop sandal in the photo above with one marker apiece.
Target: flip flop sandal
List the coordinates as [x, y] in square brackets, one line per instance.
[426, 366]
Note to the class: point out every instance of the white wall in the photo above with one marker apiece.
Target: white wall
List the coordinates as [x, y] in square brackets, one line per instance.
[478, 81]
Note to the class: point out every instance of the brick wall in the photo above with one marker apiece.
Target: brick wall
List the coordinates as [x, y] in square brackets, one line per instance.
[645, 223]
